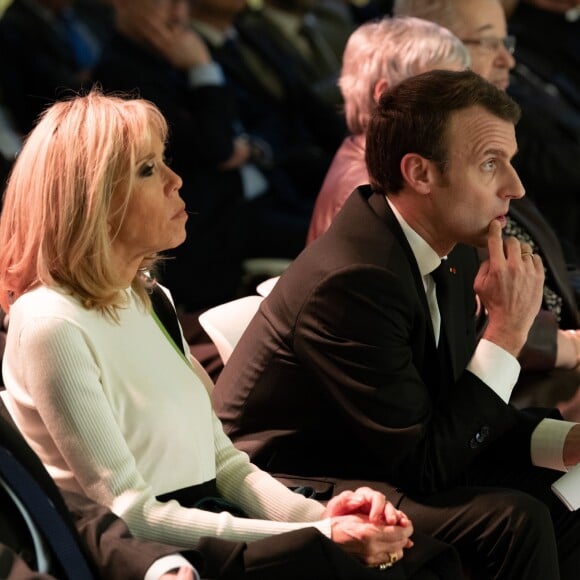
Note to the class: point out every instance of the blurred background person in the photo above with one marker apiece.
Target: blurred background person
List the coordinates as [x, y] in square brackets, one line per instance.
[548, 33]
[274, 103]
[313, 32]
[49, 49]
[233, 205]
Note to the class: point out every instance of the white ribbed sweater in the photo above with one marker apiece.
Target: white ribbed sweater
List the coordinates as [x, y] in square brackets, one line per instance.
[116, 413]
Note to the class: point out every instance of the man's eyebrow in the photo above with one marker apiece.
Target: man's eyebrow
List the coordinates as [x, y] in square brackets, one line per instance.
[497, 152]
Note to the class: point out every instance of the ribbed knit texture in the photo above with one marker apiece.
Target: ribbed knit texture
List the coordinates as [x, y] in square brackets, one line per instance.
[114, 412]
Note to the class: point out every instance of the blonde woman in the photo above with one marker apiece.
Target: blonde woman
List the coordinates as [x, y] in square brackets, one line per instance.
[95, 382]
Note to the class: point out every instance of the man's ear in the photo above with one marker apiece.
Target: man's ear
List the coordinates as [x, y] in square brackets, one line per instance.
[380, 87]
[417, 172]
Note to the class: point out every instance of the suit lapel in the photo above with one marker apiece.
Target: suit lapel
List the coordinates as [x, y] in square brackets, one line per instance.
[452, 340]
[382, 209]
[457, 339]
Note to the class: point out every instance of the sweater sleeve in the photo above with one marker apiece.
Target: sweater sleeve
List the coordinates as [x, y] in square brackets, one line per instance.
[66, 416]
[256, 491]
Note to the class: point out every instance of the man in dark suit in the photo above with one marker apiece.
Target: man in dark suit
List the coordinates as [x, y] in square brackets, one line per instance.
[154, 54]
[312, 32]
[273, 101]
[556, 60]
[357, 365]
[546, 150]
[548, 63]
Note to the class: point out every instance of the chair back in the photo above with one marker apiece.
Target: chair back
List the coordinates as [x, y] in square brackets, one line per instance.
[226, 323]
[264, 288]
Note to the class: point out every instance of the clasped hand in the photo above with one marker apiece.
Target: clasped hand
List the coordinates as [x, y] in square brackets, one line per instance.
[368, 526]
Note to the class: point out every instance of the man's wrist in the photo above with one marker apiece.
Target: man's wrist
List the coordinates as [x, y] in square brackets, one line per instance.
[508, 339]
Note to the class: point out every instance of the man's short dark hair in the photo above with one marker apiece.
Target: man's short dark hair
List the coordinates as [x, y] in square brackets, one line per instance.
[413, 118]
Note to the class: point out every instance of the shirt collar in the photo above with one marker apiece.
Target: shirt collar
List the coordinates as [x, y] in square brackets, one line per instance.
[426, 257]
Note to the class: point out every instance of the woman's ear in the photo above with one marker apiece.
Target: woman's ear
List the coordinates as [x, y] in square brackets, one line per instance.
[381, 86]
[416, 171]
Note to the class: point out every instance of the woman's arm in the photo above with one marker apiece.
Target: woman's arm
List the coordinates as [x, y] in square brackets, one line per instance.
[74, 430]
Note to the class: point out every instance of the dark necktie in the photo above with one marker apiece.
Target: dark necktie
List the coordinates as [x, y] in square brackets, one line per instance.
[442, 277]
[46, 517]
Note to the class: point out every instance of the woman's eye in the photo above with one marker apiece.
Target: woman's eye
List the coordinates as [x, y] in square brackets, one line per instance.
[147, 170]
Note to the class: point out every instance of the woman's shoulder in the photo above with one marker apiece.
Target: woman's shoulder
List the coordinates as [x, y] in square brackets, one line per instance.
[48, 303]
[44, 299]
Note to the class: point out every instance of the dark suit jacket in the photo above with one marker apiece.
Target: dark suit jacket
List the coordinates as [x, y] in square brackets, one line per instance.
[546, 83]
[302, 131]
[550, 45]
[338, 372]
[334, 25]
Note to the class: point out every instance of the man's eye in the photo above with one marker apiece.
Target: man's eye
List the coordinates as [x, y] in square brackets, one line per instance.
[489, 165]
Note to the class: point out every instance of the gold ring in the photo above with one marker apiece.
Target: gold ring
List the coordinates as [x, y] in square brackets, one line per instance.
[392, 559]
[524, 254]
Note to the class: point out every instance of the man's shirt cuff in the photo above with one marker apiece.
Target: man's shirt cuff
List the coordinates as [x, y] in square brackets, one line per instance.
[494, 366]
[547, 443]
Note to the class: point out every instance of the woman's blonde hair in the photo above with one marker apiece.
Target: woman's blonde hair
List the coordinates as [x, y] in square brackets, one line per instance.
[392, 49]
[54, 226]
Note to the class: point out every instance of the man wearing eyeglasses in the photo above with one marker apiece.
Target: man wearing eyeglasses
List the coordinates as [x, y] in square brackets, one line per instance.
[481, 24]
[548, 134]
